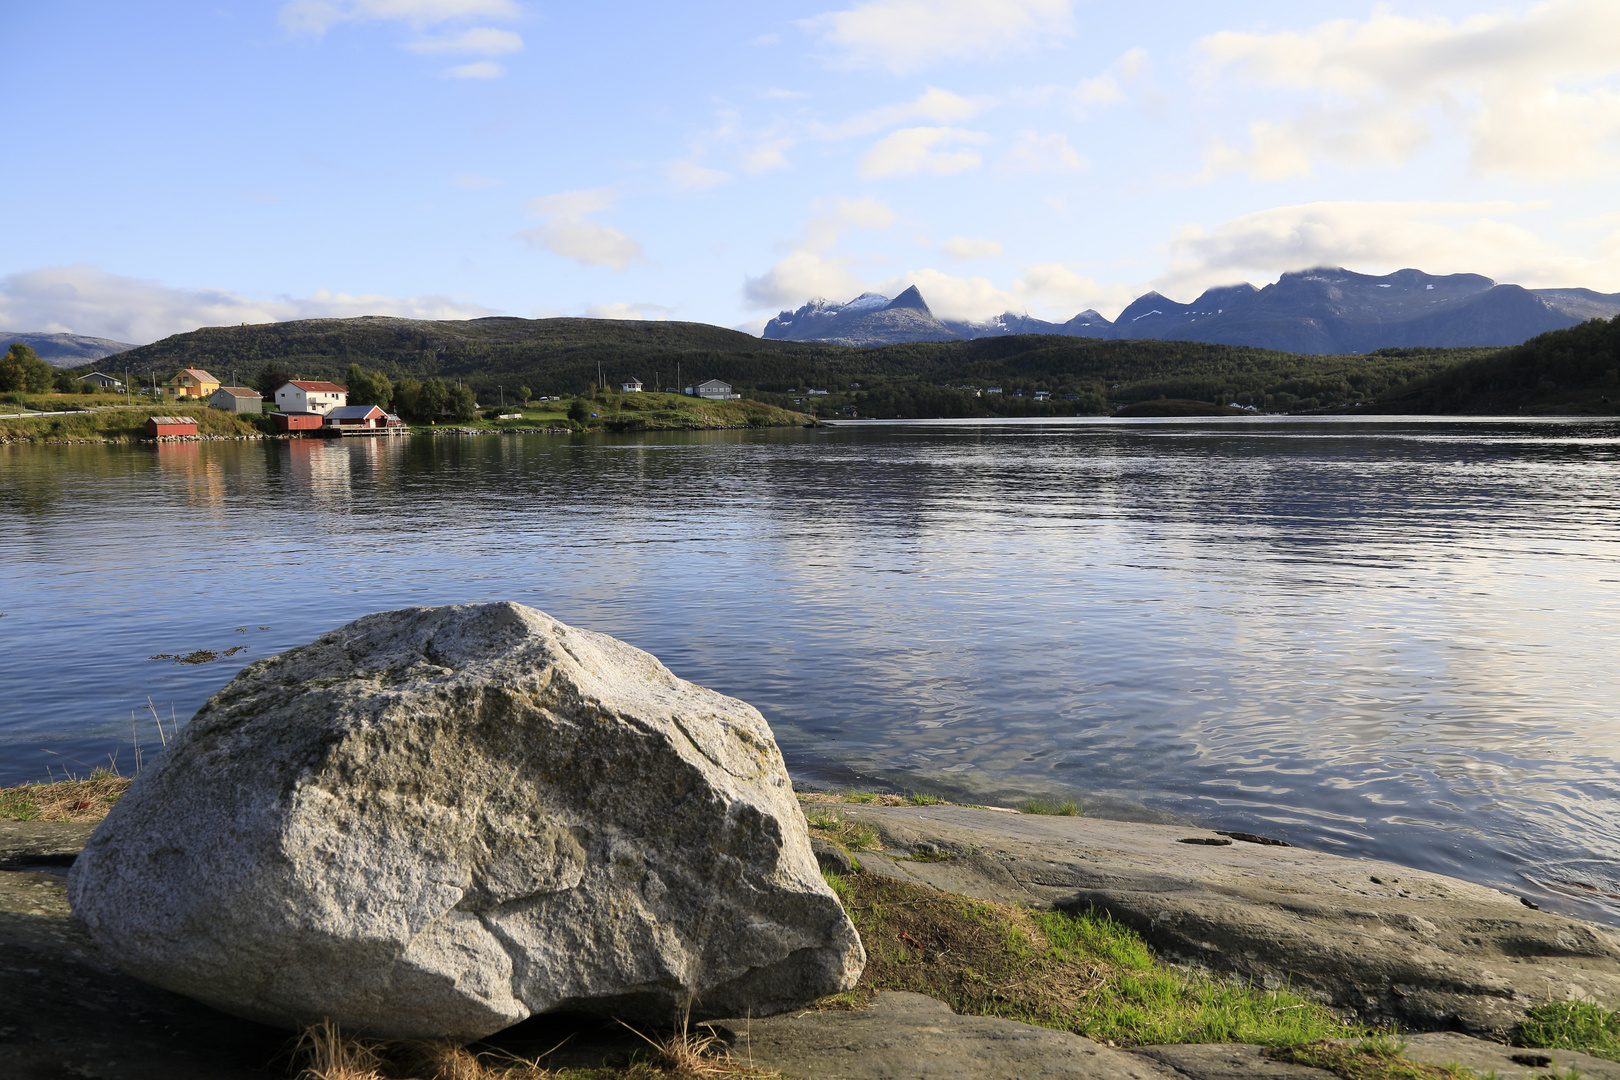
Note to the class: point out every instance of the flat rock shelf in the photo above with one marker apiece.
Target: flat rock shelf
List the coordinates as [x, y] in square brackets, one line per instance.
[65, 1011]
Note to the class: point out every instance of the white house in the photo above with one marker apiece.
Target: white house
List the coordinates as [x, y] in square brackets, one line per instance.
[311, 397]
[632, 386]
[715, 390]
[106, 382]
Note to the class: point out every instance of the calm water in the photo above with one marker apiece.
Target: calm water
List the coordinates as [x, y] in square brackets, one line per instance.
[1395, 639]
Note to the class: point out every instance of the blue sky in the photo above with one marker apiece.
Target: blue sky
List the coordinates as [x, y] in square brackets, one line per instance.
[173, 165]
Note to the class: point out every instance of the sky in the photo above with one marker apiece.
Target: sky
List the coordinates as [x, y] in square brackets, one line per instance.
[173, 165]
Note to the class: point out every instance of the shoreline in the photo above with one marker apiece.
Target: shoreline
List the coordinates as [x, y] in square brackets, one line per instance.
[1368, 942]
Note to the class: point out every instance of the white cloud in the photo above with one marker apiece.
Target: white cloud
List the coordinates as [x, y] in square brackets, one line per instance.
[690, 176]
[569, 233]
[799, 276]
[642, 311]
[939, 106]
[585, 241]
[585, 201]
[482, 69]
[473, 182]
[1106, 89]
[766, 39]
[1379, 237]
[766, 156]
[315, 17]
[910, 151]
[904, 36]
[962, 247]
[88, 300]
[776, 93]
[483, 41]
[1044, 155]
[1536, 94]
[809, 270]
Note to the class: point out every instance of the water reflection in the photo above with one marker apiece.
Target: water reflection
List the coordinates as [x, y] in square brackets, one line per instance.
[1386, 639]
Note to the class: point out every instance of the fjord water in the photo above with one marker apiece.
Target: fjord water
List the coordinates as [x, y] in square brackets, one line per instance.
[1391, 638]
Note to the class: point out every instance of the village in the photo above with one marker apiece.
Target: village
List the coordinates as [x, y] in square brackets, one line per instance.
[311, 407]
[301, 406]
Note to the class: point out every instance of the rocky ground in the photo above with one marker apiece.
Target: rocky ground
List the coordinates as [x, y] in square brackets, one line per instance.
[1379, 940]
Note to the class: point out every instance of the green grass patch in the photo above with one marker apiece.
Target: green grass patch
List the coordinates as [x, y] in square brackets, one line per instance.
[1051, 807]
[829, 823]
[924, 799]
[1377, 1057]
[1572, 1025]
[1086, 974]
[124, 425]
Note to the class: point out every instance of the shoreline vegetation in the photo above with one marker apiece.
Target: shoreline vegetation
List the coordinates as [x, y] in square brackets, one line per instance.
[1077, 972]
[106, 418]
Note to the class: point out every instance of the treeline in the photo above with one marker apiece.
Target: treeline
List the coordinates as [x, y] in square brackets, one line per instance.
[431, 362]
[1572, 370]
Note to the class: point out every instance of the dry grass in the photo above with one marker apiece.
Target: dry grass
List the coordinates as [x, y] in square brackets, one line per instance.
[324, 1052]
[65, 800]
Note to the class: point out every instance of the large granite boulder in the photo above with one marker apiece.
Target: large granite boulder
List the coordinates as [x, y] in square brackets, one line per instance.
[437, 821]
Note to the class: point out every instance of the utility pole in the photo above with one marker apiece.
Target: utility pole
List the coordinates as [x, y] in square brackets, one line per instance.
[502, 389]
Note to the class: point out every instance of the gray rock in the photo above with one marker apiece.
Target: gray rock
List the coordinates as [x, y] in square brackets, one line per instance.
[437, 821]
[1505, 1062]
[1227, 1061]
[906, 1036]
[1377, 941]
[830, 857]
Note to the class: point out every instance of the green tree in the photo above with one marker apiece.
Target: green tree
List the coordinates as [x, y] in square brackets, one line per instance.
[22, 369]
[368, 388]
[65, 383]
[463, 406]
[272, 377]
[579, 412]
[408, 399]
[524, 394]
[432, 399]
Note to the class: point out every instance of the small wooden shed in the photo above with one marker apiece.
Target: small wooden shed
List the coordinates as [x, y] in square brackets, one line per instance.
[239, 399]
[297, 421]
[158, 426]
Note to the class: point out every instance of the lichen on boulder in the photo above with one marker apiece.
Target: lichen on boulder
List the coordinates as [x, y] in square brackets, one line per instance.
[437, 821]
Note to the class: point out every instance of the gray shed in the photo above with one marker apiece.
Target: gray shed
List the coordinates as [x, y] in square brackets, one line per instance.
[236, 399]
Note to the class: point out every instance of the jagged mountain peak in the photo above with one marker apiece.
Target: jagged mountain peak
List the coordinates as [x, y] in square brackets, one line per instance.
[911, 298]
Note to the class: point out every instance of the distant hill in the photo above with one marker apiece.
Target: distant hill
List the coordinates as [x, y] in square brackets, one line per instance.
[993, 375]
[1325, 311]
[1575, 370]
[64, 350]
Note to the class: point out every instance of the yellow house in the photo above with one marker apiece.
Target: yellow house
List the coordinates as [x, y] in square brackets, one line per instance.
[191, 382]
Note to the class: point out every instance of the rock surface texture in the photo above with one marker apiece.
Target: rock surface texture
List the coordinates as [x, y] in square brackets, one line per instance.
[1377, 941]
[437, 821]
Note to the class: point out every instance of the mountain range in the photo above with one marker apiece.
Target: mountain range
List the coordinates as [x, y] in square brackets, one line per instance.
[64, 350]
[1325, 311]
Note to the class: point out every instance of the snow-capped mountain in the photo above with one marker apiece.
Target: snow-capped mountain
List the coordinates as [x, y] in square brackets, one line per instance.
[1324, 310]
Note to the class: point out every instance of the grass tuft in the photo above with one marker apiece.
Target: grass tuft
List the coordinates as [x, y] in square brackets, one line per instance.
[1376, 1057]
[65, 800]
[830, 824]
[1572, 1025]
[1052, 808]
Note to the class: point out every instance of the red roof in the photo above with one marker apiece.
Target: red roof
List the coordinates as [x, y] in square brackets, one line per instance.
[320, 387]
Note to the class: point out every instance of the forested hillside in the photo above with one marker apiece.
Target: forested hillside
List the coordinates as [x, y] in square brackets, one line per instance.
[564, 356]
[1565, 371]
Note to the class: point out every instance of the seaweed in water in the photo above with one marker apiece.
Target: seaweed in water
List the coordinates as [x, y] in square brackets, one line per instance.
[198, 656]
